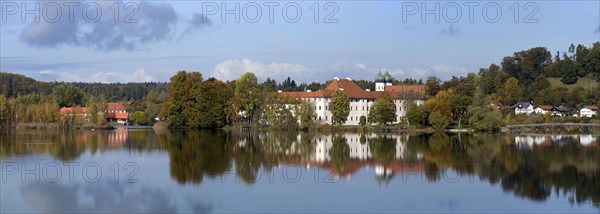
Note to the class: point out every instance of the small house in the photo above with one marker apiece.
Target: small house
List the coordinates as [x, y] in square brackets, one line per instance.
[523, 108]
[560, 111]
[543, 109]
[117, 112]
[588, 111]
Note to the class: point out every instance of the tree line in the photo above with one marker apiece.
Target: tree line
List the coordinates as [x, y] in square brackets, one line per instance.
[524, 76]
[15, 85]
[25, 100]
[189, 101]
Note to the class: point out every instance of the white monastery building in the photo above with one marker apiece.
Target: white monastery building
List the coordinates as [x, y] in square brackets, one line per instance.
[361, 99]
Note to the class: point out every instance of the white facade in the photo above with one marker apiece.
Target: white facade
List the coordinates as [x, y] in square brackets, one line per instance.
[524, 108]
[586, 112]
[380, 86]
[539, 110]
[358, 108]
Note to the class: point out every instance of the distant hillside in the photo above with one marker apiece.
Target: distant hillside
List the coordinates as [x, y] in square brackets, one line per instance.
[584, 82]
[13, 85]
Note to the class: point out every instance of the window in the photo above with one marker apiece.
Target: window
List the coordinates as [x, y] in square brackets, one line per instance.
[319, 118]
[400, 108]
[363, 108]
[326, 118]
[319, 107]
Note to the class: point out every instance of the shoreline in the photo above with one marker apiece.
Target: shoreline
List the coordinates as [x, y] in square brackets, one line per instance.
[397, 129]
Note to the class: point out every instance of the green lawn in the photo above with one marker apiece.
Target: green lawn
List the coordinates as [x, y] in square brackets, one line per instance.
[583, 82]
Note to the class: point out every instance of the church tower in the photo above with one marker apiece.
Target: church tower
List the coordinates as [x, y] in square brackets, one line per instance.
[381, 81]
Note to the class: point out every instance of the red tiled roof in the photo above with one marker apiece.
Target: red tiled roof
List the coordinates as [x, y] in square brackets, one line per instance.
[595, 108]
[316, 94]
[354, 91]
[547, 108]
[406, 88]
[116, 106]
[118, 115]
[81, 110]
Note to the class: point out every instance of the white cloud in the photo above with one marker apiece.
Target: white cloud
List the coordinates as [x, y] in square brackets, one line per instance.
[233, 69]
[139, 75]
[361, 66]
[449, 69]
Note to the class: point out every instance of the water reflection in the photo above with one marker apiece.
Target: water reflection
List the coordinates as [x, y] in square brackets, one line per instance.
[105, 197]
[529, 166]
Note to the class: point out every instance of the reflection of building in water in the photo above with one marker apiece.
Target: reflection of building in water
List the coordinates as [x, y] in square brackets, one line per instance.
[530, 140]
[547, 140]
[358, 150]
[361, 156]
[588, 140]
[118, 137]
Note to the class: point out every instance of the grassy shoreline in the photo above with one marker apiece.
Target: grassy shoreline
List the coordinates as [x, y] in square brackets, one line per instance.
[397, 129]
[85, 126]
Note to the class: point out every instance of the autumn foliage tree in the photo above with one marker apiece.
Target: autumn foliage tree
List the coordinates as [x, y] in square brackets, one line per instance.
[248, 93]
[512, 91]
[195, 104]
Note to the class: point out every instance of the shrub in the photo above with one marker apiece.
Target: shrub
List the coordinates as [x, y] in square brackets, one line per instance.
[363, 121]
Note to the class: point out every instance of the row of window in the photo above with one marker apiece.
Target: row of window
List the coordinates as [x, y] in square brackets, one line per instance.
[356, 108]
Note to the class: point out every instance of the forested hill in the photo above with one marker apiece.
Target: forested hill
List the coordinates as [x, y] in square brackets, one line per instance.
[14, 85]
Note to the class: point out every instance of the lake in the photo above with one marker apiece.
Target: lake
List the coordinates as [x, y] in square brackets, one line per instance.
[140, 170]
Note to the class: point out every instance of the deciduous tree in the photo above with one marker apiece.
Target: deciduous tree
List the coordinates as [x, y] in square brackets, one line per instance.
[438, 121]
[248, 93]
[383, 111]
[339, 107]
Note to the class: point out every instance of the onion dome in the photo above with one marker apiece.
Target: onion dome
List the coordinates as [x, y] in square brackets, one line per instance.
[387, 77]
[379, 77]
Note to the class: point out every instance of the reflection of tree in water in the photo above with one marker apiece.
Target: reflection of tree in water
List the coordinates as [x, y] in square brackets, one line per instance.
[565, 166]
[339, 152]
[527, 180]
[64, 145]
[248, 159]
[194, 154]
[383, 149]
[442, 151]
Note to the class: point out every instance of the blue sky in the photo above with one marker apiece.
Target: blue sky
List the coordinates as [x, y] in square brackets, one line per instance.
[361, 38]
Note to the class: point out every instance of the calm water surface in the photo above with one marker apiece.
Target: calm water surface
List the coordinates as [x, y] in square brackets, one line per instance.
[140, 170]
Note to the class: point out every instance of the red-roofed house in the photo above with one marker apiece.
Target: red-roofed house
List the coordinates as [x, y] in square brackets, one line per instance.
[543, 109]
[117, 112]
[360, 99]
